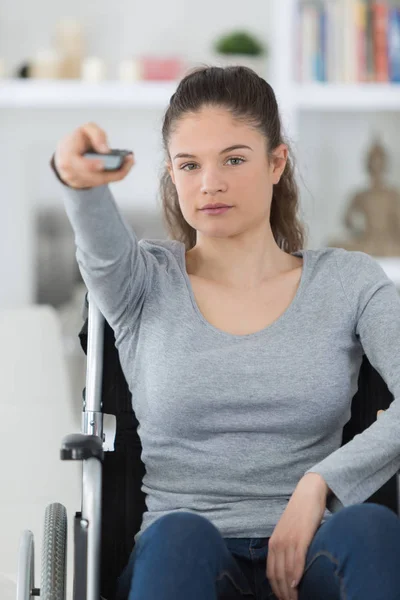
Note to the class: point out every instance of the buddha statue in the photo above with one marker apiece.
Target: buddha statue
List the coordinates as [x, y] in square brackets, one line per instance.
[372, 218]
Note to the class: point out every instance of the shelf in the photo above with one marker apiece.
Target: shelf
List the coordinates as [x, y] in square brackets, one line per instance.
[156, 94]
[347, 97]
[77, 94]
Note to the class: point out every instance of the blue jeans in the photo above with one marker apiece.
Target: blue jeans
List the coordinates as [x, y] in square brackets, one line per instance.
[355, 555]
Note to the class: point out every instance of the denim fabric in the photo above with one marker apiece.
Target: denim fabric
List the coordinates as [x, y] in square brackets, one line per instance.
[355, 555]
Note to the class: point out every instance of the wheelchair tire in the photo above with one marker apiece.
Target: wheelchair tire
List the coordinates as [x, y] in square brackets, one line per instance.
[54, 553]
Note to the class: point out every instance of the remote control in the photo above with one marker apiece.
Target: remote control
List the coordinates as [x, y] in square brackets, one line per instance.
[112, 160]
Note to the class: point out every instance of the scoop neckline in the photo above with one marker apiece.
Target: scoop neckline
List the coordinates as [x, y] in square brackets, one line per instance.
[266, 330]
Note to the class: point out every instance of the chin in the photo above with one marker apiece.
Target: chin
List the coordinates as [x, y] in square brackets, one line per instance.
[219, 231]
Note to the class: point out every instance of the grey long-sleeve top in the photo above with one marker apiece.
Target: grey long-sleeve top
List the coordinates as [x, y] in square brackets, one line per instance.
[229, 424]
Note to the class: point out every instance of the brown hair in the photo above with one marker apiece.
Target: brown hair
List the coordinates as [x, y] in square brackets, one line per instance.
[251, 100]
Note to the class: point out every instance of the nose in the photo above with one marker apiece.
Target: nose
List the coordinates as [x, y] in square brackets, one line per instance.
[212, 183]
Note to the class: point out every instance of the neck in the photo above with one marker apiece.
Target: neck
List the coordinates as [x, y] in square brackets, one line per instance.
[244, 262]
[376, 181]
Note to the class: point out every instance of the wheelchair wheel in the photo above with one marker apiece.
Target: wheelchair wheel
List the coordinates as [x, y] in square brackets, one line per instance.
[26, 566]
[54, 553]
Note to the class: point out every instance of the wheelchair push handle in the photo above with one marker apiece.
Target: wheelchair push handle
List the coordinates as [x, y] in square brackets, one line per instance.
[92, 407]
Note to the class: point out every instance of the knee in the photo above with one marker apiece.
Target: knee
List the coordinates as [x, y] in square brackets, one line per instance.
[361, 521]
[183, 529]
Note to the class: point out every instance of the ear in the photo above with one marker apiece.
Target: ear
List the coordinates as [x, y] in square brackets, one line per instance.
[278, 162]
[171, 172]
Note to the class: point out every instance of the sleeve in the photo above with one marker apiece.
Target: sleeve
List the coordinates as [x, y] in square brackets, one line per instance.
[113, 265]
[359, 468]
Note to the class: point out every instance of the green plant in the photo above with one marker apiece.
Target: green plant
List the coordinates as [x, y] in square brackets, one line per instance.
[239, 42]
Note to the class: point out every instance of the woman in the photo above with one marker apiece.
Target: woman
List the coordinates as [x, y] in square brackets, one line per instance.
[242, 351]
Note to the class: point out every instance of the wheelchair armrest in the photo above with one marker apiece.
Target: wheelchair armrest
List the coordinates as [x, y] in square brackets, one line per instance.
[80, 446]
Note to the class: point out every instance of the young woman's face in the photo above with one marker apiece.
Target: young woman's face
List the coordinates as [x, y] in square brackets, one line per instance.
[240, 177]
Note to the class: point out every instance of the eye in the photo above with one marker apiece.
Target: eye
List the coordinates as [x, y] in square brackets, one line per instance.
[237, 158]
[183, 167]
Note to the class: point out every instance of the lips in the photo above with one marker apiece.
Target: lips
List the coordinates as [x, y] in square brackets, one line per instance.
[216, 211]
[214, 206]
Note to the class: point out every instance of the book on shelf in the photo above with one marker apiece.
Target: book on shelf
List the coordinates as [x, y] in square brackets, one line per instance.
[348, 41]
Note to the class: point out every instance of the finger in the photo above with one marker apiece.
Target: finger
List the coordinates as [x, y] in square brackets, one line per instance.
[83, 164]
[290, 561]
[281, 577]
[97, 137]
[104, 177]
[271, 571]
[299, 565]
[88, 165]
[111, 176]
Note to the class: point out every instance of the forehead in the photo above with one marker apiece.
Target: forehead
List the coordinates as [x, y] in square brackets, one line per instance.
[209, 124]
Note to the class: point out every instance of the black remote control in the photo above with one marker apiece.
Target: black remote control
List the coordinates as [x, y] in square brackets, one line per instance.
[112, 160]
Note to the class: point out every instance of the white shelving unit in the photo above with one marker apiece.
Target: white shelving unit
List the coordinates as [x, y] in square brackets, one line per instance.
[296, 98]
[341, 104]
[76, 94]
[342, 97]
[293, 97]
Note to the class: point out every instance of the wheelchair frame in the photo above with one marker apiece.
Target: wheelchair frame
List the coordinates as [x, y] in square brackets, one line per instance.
[87, 530]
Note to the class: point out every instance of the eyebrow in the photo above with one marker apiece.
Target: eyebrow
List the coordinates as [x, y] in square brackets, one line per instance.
[235, 147]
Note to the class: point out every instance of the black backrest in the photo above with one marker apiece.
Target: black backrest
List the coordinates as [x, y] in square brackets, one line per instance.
[123, 499]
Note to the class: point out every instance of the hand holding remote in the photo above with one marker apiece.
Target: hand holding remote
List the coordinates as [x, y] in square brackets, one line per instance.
[83, 159]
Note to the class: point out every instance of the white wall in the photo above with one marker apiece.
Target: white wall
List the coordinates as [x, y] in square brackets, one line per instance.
[36, 411]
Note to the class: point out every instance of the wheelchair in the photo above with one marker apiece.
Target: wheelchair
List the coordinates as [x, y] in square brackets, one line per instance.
[113, 502]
